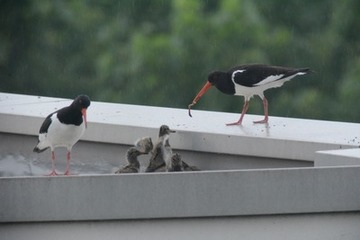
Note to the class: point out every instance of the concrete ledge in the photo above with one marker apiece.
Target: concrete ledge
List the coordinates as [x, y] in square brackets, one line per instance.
[346, 157]
[282, 138]
[204, 139]
[174, 195]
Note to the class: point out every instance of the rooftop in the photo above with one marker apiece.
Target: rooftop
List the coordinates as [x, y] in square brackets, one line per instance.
[298, 173]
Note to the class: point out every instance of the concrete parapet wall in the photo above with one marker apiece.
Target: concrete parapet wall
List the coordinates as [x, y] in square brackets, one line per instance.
[173, 195]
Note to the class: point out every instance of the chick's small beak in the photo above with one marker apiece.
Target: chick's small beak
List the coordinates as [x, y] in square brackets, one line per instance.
[83, 111]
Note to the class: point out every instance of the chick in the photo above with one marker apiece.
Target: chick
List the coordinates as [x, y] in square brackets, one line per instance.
[141, 146]
[188, 168]
[161, 153]
[144, 145]
[133, 163]
[176, 164]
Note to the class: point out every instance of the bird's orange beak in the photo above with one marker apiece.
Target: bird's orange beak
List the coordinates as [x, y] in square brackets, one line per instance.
[204, 89]
[83, 111]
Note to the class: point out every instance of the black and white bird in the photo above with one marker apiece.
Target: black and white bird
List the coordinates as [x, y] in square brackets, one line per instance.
[162, 152]
[63, 128]
[247, 81]
[141, 146]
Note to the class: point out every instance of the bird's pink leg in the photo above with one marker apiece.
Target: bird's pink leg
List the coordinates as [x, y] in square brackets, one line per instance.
[266, 118]
[53, 171]
[244, 110]
[68, 157]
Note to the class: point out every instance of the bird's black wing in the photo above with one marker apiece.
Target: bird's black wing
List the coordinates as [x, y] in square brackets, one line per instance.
[257, 74]
[45, 125]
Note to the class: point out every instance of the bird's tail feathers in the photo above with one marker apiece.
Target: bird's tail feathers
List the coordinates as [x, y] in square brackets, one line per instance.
[304, 71]
[38, 149]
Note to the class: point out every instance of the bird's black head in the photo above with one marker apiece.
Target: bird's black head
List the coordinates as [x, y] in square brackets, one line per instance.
[164, 129]
[81, 102]
[215, 77]
[222, 81]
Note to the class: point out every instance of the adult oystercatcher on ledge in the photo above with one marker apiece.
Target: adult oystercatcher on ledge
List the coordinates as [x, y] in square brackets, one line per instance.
[247, 81]
[63, 128]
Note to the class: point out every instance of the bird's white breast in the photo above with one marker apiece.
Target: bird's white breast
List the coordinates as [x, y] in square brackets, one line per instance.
[61, 135]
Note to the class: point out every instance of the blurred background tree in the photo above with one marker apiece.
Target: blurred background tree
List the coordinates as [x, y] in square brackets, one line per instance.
[160, 52]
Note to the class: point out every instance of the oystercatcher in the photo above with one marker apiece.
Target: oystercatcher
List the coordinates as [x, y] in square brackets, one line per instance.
[142, 146]
[161, 154]
[247, 81]
[63, 128]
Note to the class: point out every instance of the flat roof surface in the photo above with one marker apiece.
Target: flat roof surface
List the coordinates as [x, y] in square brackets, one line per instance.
[206, 131]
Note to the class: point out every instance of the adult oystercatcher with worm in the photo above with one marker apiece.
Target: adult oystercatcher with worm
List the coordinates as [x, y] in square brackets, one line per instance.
[247, 81]
[63, 128]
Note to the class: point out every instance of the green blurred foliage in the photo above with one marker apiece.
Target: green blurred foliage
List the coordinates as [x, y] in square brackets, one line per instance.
[160, 52]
